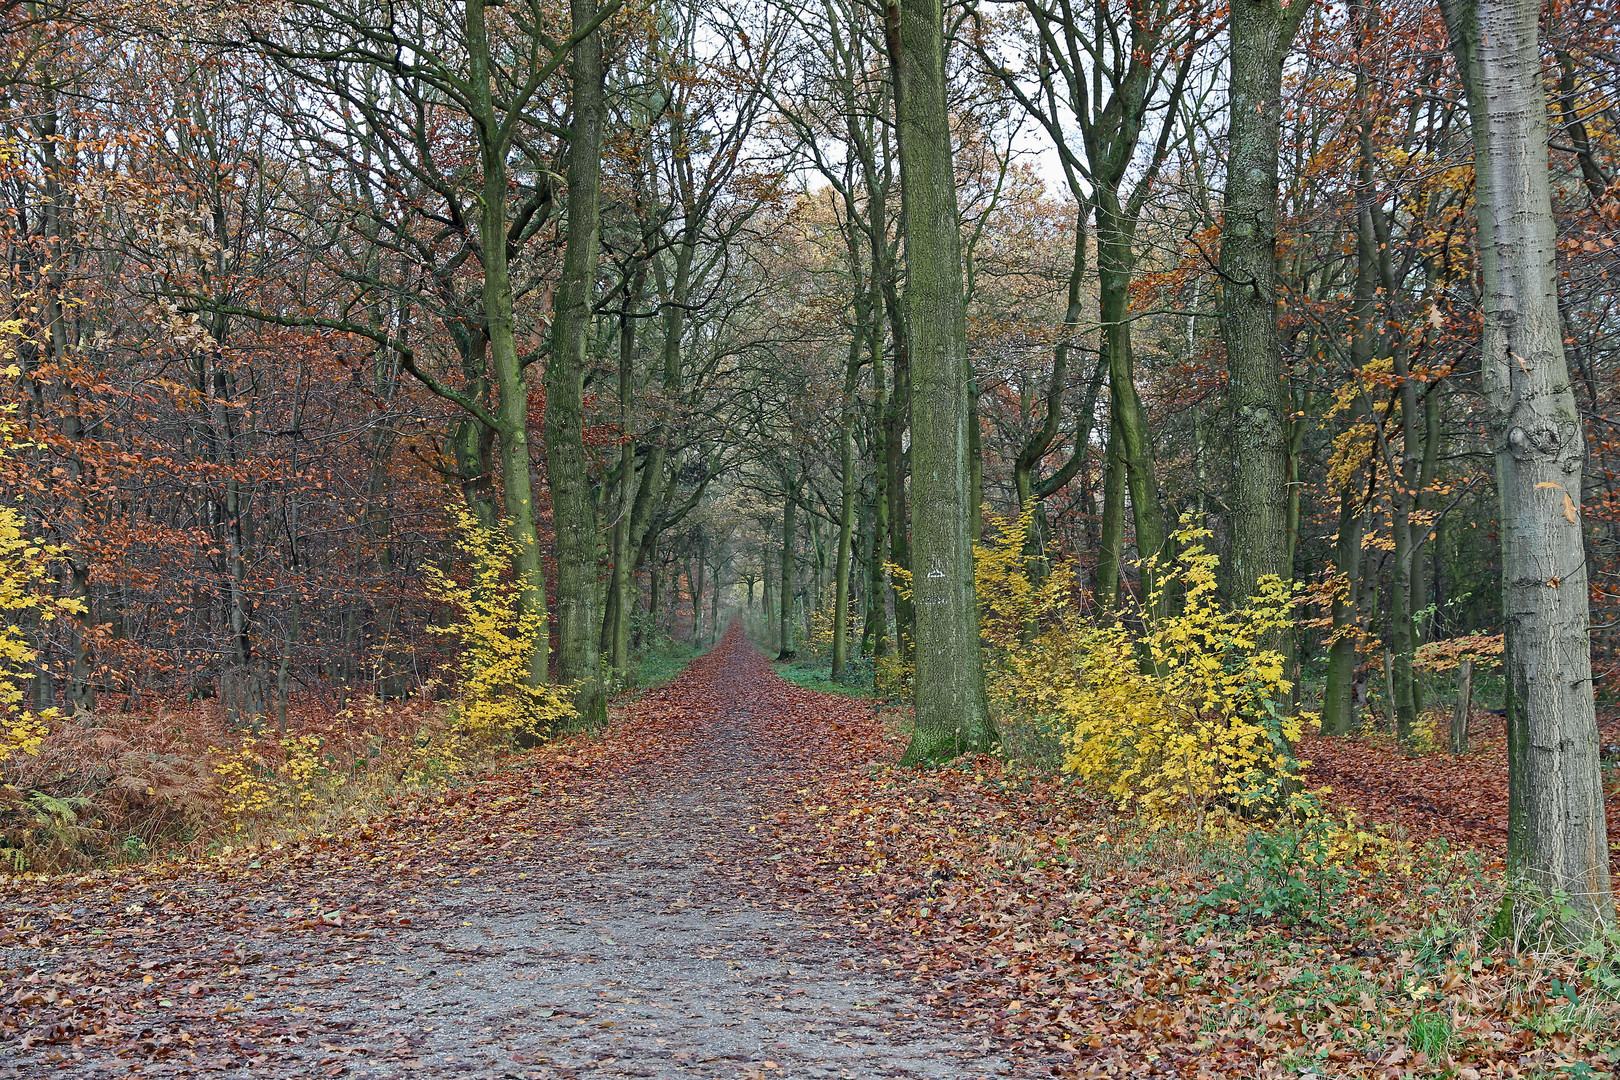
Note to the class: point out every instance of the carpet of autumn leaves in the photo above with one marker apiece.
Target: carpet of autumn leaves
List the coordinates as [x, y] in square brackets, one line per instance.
[1030, 911]
[1458, 797]
[156, 963]
[1014, 905]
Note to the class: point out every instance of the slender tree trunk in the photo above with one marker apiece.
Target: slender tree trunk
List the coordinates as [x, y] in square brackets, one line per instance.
[1111, 530]
[877, 608]
[695, 577]
[784, 592]
[846, 505]
[511, 387]
[472, 441]
[1339, 712]
[1115, 263]
[1464, 710]
[621, 584]
[1556, 831]
[894, 487]
[655, 581]
[953, 715]
[1338, 706]
[769, 615]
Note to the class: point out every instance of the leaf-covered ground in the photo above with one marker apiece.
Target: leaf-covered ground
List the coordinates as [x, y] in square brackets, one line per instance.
[735, 883]
[1462, 798]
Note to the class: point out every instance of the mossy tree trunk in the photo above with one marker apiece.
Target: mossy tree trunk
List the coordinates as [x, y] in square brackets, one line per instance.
[953, 715]
[573, 507]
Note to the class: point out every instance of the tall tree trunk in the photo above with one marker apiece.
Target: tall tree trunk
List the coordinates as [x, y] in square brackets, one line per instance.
[784, 591]
[1338, 704]
[1556, 830]
[874, 635]
[1257, 395]
[953, 715]
[572, 507]
[768, 599]
[1115, 263]
[695, 574]
[1338, 695]
[511, 388]
[1111, 530]
[846, 505]
[621, 585]
[894, 486]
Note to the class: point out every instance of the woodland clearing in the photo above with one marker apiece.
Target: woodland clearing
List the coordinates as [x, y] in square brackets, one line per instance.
[735, 882]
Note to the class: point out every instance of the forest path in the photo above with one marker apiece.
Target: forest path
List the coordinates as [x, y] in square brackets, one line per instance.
[617, 917]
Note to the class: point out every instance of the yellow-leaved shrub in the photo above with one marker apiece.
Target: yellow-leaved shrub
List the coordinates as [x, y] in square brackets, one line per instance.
[1170, 715]
[25, 562]
[496, 641]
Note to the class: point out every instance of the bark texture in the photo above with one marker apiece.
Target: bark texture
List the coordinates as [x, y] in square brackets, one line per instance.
[1556, 834]
[953, 716]
[572, 506]
[1257, 393]
[511, 387]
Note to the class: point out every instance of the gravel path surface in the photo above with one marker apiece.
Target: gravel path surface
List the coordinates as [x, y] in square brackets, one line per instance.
[648, 941]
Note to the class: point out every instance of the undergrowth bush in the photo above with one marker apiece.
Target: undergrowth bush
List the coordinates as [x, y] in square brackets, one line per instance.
[116, 786]
[29, 817]
[1300, 873]
[496, 641]
[1185, 709]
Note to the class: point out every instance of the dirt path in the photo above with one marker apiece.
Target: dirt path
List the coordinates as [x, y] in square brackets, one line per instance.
[619, 920]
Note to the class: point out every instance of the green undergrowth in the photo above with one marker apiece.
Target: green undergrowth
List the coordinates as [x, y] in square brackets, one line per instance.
[815, 673]
[658, 663]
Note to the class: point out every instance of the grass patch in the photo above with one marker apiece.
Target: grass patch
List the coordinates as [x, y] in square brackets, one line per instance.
[658, 663]
[814, 673]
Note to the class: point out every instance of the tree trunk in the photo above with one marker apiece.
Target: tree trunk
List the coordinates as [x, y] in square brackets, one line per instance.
[1556, 831]
[874, 635]
[1115, 262]
[714, 600]
[894, 486]
[784, 590]
[1465, 707]
[621, 591]
[1111, 530]
[695, 578]
[768, 616]
[846, 505]
[511, 387]
[573, 509]
[1339, 711]
[1257, 394]
[953, 715]
[1338, 704]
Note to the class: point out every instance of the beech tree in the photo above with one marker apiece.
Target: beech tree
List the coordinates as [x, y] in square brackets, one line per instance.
[1557, 837]
[953, 715]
